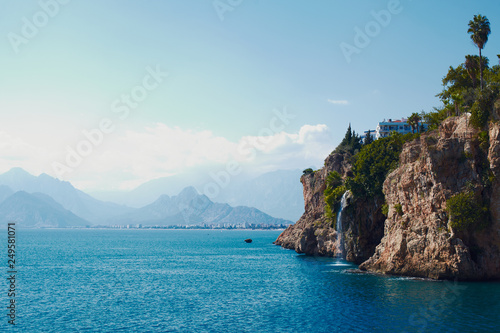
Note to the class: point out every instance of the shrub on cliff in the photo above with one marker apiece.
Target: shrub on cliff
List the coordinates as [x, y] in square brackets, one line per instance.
[333, 195]
[466, 212]
[483, 107]
[373, 163]
[307, 171]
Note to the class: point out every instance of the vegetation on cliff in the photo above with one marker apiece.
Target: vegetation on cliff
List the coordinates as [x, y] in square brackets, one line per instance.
[472, 86]
[333, 195]
[467, 212]
[371, 164]
[351, 143]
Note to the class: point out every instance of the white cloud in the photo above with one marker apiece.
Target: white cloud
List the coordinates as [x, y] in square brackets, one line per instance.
[338, 102]
[125, 159]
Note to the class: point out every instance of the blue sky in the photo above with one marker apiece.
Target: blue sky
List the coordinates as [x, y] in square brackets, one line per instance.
[226, 80]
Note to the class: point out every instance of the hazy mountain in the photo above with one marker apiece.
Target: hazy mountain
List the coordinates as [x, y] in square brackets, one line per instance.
[37, 210]
[151, 190]
[72, 199]
[277, 193]
[5, 192]
[190, 208]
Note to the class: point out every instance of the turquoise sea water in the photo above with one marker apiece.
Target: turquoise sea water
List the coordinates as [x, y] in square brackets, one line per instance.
[212, 281]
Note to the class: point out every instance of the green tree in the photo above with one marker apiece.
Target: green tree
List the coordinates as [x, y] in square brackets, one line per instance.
[373, 163]
[459, 85]
[434, 118]
[458, 82]
[473, 65]
[351, 142]
[348, 135]
[413, 121]
[479, 29]
[368, 138]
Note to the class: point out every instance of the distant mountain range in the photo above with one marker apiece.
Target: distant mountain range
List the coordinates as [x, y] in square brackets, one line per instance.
[72, 199]
[44, 201]
[277, 193]
[37, 210]
[190, 208]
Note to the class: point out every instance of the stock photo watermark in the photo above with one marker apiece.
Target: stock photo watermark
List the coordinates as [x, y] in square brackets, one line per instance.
[223, 6]
[364, 36]
[122, 108]
[30, 27]
[11, 272]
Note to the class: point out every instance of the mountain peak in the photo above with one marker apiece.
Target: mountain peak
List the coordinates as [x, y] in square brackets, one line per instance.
[189, 192]
[18, 172]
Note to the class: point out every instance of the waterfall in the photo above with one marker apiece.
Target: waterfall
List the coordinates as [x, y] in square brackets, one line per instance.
[340, 231]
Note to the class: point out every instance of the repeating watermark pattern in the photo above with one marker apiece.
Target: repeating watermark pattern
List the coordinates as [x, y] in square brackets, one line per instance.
[434, 311]
[223, 6]
[11, 272]
[363, 37]
[122, 108]
[31, 27]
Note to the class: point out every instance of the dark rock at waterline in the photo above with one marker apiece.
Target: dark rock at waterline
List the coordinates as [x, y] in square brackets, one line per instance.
[248, 240]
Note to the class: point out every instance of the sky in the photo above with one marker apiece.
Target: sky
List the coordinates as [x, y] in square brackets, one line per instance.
[111, 94]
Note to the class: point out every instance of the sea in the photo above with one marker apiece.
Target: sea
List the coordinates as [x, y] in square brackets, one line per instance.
[140, 280]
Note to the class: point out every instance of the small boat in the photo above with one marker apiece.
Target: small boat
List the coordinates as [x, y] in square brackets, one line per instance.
[248, 240]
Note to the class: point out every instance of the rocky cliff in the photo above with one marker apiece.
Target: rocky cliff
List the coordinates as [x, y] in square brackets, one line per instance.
[315, 234]
[419, 239]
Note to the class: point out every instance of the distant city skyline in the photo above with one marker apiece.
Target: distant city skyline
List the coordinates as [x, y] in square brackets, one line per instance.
[108, 95]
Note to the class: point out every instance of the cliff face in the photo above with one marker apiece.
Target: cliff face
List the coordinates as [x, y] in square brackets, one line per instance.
[418, 240]
[313, 234]
[362, 221]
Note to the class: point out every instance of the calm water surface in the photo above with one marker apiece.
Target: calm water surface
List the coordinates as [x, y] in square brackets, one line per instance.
[212, 281]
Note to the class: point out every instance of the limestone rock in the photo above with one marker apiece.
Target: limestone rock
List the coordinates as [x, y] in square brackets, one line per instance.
[314, 234]
[420, 242]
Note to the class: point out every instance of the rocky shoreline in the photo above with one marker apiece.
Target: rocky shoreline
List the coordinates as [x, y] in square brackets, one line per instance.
[416, 238]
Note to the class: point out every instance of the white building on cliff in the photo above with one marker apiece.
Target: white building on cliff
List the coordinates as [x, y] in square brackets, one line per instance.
[386, 127]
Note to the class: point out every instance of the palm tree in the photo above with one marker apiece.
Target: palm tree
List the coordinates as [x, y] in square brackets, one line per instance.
[479, 28]
[471, 67]
[413, 121]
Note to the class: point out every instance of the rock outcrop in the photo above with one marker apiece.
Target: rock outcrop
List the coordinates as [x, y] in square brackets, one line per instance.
[315, 234]
[418, 238]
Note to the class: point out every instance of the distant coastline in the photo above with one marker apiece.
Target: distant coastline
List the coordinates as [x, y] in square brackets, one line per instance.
[169, 227]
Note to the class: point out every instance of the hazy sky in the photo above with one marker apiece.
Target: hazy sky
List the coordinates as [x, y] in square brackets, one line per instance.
[180, 85]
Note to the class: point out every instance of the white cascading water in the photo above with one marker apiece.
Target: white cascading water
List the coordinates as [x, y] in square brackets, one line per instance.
[340, 233]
